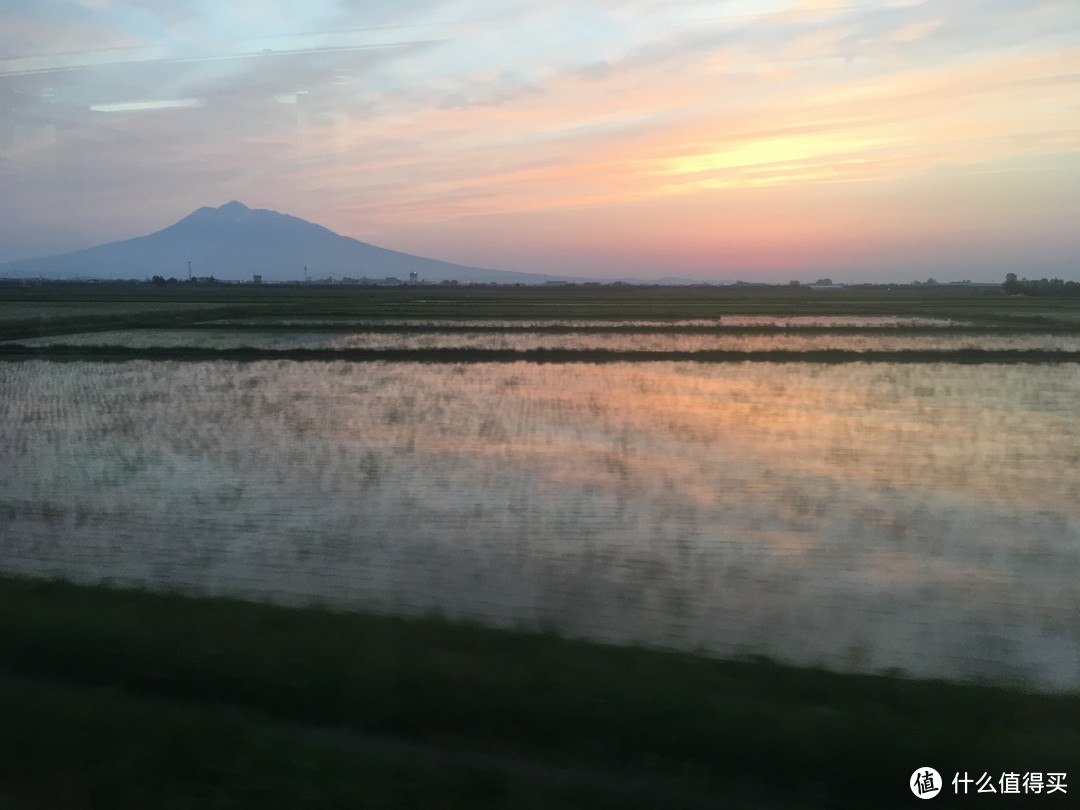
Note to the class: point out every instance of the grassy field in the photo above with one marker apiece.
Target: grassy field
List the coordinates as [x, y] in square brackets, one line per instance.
[76, 310]
[29, 311]
[120, 698]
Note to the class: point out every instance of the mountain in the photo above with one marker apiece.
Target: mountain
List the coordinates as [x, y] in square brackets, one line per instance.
[234, 242]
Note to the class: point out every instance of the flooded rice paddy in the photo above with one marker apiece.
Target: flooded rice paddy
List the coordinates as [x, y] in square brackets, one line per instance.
[864, 517]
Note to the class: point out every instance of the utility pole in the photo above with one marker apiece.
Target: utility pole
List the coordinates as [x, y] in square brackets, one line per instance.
[189, 270]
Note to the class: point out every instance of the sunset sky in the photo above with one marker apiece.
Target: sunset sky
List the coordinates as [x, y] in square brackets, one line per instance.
[764, 139]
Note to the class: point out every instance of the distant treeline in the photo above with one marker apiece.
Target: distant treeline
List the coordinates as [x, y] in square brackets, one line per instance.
[1054, 287]
[161, 281]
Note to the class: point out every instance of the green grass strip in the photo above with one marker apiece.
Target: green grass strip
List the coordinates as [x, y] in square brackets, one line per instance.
[559, 706]
[61, 353]
[616, 328]
[65, 745]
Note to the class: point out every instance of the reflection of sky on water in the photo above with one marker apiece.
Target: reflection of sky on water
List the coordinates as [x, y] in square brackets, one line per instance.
[864, 516]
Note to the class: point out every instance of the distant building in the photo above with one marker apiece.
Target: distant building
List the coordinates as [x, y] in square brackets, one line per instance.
[256, 279]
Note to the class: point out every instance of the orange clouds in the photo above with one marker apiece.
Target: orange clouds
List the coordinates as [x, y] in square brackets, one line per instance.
[648, 117]
[594, 143]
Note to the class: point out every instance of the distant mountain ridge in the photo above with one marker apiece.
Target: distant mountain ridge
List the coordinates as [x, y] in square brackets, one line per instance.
[234, 242]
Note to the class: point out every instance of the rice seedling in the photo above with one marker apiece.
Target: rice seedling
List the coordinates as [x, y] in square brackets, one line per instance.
[869, 517]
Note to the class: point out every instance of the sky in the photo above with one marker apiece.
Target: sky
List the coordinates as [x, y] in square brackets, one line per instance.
[865, 140]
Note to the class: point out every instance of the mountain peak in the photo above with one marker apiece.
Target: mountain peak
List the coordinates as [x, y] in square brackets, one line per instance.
[231, 213]
[233, 241]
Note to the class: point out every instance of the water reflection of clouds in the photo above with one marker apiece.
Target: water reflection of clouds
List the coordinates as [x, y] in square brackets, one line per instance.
[525, 341]
[706, 433]
[688, 451]
[676, 504]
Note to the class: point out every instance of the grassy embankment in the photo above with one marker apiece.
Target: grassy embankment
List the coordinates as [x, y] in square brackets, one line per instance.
[118, 698]
[192, 354]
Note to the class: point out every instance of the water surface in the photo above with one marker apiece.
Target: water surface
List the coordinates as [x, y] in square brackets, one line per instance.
[861, 516]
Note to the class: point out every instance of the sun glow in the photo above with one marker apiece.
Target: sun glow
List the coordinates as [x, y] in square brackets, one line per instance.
[786, 153]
